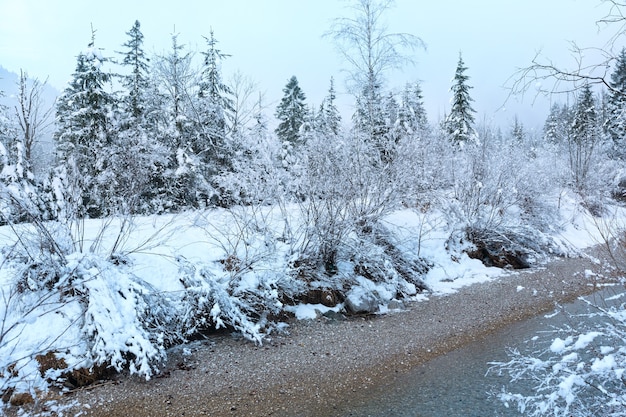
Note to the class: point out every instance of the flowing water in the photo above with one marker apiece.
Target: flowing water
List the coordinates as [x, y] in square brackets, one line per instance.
[458, 383]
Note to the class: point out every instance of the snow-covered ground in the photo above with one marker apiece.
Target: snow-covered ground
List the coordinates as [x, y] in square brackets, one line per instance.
[119, 291]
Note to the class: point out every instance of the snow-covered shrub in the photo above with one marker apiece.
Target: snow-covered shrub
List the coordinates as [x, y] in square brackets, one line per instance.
[580, 374]
[214, 302]
[93, 315]
[246, 284]
[74, 297]
[501, 199]
[346, 189]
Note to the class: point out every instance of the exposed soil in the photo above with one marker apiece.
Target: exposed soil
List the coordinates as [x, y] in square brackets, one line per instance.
[320, 363]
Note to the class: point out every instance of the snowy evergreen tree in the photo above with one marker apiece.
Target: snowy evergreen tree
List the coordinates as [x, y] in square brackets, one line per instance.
[83, 133]
[136, 83]
[186, 186]
[215, 104]
[517, 131]
[615, 125]
[412, 116]
[138, 179]
[175, 78]
[369, 119]
[291, 113]
[328, 117]
[584, 137]
[460, 122]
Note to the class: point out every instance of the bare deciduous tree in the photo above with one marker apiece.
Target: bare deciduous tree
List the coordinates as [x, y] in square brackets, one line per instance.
[32, 113]
[242, 88]
[365, 42]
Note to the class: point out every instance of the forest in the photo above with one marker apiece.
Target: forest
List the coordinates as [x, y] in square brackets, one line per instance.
[176, 203]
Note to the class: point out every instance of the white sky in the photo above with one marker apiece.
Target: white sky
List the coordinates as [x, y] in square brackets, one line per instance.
[270, 40]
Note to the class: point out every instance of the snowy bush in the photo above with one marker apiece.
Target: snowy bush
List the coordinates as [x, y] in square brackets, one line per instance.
[73, 297]
[89, 311]
[247, 282]
[500, 201]
[581, 373]
[214, 302]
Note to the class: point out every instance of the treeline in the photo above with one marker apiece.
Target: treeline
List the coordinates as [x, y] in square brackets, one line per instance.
[145, 135]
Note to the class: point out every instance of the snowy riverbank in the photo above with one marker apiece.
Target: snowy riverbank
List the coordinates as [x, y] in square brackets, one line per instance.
[321, 363]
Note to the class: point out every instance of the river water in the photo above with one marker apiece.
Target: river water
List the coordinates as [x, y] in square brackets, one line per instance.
[458, 383]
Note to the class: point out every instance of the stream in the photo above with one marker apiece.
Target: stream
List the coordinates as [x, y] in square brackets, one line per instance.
[458, 383]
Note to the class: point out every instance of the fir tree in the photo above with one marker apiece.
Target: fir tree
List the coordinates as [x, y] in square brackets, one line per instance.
[329, 118]
[412, 116]
[83, 130]
[136, 83]
[291, 112]
[558, 124]
[177, 130]
[584, 137]
[137, 180]
[215, 102]
[460, 122]
[368, 118]
[174, 79]
[615, 125]
[517, 131]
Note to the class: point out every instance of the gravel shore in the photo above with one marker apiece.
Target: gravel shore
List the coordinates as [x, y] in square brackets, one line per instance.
[320, 363]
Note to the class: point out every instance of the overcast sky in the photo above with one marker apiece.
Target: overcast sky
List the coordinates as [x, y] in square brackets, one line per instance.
[271, 40]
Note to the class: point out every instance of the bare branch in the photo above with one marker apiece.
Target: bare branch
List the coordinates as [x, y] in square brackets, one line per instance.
[591, 64]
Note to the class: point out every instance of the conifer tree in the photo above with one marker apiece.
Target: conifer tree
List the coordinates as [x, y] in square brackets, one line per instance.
[83, 131]
[215, 103]
[460, 122]
[329, 118]
[369, 118]
[517, 131]
[615, 126]
[175, 79]
[138, 179]
[412, 116]
[558, 123]
[291, 112]
[584, 137]
[136, 83]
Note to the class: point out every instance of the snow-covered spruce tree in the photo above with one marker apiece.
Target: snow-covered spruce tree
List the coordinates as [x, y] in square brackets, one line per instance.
[459, 123]
[558, 123]
[138, 178]
[518, 133]
[19, 200]
[328, 120]
[412, 117]
[136, 82]
[214, 107]
[368, 117]
[584, 138]
[83, 134]
[291, 113]
[176, 80]
[615, 125]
